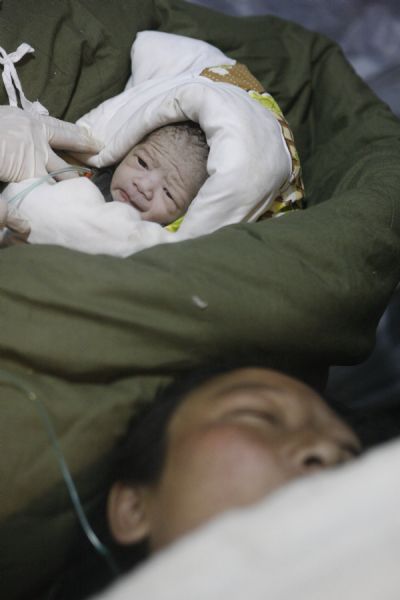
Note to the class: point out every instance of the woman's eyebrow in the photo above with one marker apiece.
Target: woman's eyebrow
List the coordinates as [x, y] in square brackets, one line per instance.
[245, 387]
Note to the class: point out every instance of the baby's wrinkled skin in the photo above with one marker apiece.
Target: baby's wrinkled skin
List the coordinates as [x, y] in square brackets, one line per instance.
[158, 178]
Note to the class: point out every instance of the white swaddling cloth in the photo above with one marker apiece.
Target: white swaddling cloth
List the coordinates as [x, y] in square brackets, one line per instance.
[248, 161]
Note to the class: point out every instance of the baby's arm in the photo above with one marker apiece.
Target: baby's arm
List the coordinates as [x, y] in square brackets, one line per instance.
[73, 213]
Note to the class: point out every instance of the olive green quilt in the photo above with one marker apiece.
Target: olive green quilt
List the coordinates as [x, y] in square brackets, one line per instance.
[92, 335]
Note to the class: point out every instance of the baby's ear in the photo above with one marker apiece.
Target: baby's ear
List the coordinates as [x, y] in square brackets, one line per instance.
[127, 513]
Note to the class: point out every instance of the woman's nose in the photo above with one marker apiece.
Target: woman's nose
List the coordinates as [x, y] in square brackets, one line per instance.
[317, 451]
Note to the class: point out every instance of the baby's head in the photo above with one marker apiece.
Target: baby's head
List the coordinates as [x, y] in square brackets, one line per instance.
[162, 174]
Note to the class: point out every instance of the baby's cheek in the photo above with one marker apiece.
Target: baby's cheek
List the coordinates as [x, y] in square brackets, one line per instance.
[115, 180]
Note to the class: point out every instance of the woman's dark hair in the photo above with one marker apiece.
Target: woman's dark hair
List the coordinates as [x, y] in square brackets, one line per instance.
[139, 457]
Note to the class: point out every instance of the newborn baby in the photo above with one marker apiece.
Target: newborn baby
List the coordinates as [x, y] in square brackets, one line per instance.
[163, 192]
[161, 175]
[156, 182]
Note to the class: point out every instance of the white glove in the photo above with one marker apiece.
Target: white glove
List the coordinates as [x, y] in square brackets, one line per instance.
[27, 140]
[26, 151]
[13, 221]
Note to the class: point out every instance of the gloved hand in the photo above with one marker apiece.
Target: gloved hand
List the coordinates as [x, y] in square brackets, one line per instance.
[27, 140]
[26, 144]
[13, 221]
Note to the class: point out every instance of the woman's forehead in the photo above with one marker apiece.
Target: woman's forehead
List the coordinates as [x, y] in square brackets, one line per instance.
[254, 377]
[243, 385]
[258, 389]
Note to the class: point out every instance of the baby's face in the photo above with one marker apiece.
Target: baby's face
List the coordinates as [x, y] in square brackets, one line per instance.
[155, 178]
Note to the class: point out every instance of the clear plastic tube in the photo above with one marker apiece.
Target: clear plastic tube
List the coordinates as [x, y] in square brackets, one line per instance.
[17, 199]
[100, 548]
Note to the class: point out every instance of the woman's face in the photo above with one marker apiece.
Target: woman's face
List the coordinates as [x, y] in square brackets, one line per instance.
[236, 439]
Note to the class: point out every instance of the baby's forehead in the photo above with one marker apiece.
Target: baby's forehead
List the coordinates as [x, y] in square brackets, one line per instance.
[164, 138]
[162, 149]
[180, 153]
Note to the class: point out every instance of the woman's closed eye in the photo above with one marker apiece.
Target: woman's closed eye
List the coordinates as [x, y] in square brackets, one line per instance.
[256, 415]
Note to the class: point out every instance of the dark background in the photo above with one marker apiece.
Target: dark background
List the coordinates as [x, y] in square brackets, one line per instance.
[369, 33]
[367, 30]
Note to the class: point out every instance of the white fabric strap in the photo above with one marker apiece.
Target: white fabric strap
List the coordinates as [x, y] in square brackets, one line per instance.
[12, 82]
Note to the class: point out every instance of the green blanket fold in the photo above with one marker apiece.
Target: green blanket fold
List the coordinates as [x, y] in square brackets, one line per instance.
[93, 335]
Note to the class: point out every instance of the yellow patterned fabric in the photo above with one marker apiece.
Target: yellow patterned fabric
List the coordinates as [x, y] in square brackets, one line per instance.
[237, 74]
[291, 195]
[174, 226]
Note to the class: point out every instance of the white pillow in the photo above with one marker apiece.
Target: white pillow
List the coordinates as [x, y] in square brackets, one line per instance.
[171, 55]
[331, 536]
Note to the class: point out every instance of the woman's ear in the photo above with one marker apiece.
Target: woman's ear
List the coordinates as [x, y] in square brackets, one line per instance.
[127, 514]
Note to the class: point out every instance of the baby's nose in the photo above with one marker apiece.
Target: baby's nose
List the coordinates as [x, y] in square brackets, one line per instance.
[150, 181]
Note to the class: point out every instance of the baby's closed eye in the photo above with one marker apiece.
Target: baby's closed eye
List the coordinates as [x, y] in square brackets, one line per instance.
[142, 162]
[168, 193]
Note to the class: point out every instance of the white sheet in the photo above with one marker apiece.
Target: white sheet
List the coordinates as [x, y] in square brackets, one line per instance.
[329, 537]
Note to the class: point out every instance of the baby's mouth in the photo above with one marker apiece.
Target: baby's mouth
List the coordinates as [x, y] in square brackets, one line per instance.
[131, 199]
[124, 196]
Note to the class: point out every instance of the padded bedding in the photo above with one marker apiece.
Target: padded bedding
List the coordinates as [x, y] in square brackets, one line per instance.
[278, 549]
[92, 335]
[250, 168]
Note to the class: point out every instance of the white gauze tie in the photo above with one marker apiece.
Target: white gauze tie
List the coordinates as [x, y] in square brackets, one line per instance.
[12, 82]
